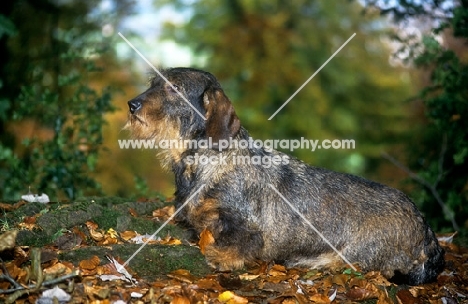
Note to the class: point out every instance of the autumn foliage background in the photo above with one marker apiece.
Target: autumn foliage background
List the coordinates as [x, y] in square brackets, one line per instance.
[398, 89]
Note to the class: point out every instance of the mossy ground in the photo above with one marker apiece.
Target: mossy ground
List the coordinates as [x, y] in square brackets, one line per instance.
[55, 219]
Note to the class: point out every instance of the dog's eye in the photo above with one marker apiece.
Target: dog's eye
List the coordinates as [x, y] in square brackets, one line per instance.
[174, 86]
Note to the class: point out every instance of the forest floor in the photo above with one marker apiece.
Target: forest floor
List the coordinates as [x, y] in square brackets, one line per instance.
[75, 251]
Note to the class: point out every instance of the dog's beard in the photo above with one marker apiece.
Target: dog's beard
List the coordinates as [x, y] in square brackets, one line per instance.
[141, 128]
[135, 119]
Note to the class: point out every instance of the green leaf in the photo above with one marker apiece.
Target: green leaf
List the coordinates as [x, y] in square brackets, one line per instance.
[460, 157]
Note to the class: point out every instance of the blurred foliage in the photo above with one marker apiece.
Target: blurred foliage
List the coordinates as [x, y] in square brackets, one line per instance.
[263, 51]
[51, 108]
[48, 64]
[142, 190]
[439, 150]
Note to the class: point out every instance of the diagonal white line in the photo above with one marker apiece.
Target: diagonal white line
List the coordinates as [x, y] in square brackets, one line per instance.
[310, 78]
[161, 75]
[313, 228]
[162, 226]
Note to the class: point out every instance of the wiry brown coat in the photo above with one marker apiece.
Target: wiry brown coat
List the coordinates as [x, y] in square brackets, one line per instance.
[369, 223]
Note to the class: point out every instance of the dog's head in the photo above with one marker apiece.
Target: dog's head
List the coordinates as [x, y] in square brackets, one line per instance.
[187, 104]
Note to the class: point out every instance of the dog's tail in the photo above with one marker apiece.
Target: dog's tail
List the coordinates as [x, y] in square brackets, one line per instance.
[429, 270]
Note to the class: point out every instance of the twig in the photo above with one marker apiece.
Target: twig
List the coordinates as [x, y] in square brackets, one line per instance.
[6, 275]
[46, 283]
[441, 160]
[432, 187]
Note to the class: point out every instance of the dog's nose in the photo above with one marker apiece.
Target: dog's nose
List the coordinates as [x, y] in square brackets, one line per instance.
[134, 105]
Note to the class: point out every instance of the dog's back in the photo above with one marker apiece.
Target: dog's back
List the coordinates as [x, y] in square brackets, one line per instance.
[369, 223]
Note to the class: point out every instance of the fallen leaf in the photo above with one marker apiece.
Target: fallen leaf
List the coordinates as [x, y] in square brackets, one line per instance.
[96, 235]
[57, 270]
[180, 300]
[121, 269]
[248, 277]
[112, 233]
[332, 296]
[357, 282]
[446, 237]
[169, 240]
[98, 291]
[276, 287]
[312, 274]
[319, 298]
[340, 279]
[289, 301]
[359, 294]
[91, 225]
[277, 270]
[208, 284]
[29, 223]
[206, 238]
[110, 238]
[8, 239]
[132, 212]
[231, 298]
[90, 264]
[148, 239]
[164, 213]
[20, 255]
[79, 233]
[127, 235]
[377, 278]
[182, 275]
[8, 207]
[406, 297]
[13, 270]
[112, 277]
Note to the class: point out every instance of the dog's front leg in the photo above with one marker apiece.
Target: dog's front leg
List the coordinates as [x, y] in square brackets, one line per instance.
[236, 242]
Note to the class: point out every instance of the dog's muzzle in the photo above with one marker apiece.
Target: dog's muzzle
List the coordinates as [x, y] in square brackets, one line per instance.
[134, 105]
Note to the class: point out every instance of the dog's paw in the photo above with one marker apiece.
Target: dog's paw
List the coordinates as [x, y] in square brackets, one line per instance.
[223, 258]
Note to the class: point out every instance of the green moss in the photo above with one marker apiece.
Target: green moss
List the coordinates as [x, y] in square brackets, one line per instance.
[103, 201]
[164, 259]
[153, 261]
[107, 219]
[34, 238]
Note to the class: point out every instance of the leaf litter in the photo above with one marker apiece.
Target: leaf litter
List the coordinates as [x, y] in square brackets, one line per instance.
[32, 275]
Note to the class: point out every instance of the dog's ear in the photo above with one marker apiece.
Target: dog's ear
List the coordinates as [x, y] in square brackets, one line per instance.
[221, 119]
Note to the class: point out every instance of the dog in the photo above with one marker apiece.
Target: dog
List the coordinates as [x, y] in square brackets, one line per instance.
[265, 210]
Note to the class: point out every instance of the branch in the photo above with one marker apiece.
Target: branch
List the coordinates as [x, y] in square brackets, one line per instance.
[46, 283]
[6, 275]
[441, 160]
